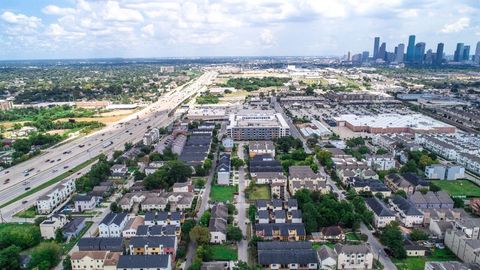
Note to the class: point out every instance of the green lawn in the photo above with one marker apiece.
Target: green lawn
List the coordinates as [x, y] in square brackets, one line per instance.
[319, 245]
[459, 188]
[223, 253]
[418, 263]
[26, 213]
[222, 193]
[352, 236]
[258, 192]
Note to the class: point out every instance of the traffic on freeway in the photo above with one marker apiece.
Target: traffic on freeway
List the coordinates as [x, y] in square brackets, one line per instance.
[63, 157]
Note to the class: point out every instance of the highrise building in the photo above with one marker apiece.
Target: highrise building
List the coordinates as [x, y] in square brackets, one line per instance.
[476, 59]
[439, 54]
[429, 57]
[457, 57]
[411, 48]
[376, 44]
[382, 51]
[466, 53]
[419, 52]
[365, 55]
[399, 54]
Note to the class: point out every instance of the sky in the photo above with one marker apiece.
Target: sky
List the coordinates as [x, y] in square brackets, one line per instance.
[52, 29]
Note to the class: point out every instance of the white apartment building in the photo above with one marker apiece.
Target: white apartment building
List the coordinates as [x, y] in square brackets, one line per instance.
[354, 257]
[381, 162]
[54, 197]
[151, 136]
[112, 225]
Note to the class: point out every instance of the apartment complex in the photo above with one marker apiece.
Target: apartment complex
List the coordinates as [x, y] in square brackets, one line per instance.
[247, 125]
[49, 201]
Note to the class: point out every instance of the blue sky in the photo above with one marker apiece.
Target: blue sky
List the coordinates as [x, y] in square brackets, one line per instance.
[44, 29]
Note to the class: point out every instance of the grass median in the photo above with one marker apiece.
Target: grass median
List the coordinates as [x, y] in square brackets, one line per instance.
[51, 181]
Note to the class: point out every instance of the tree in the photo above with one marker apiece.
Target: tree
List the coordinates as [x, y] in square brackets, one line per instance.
[138, 175]
[458, 203]
[114, 207]
[204, 219]
[410, 166]
[117, 154]
[241, 265]
[237, 162]
[401, 193]
[187, 226]
[234, 233]
[67, 263]
[417, 235]
[10, 258]
[128, 146]
[204, 253]
[59, 236]
[425, 160]
[325, 158]
[200, 235]
[45, 256]
[434, 187]
[391, 236]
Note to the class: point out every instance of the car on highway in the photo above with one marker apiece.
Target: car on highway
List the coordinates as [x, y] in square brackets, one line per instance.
[81, 145]
[27, 174]
[48, 160]
[7, 172]
[54, 171]
[24, 202]
[59, 159]
[65, 167]
[52, 161]
[27, 188]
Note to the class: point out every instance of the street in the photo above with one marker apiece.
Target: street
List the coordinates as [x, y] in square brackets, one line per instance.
[242, 207]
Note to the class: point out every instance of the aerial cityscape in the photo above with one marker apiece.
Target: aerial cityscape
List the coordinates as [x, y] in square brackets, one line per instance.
[239, 135]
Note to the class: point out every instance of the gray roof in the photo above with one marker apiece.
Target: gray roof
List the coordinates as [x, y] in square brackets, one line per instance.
[85, 198]
[100, 243]
[349, 249]
[407, 207]
[300, 256]
[326, 252]
[269, 228]
[301, 172]
[152, 241]
[73, 225]
[378, 207]
[143, 261]
[114, 218]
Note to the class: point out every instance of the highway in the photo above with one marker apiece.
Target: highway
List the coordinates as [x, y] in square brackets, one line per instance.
[60, 158]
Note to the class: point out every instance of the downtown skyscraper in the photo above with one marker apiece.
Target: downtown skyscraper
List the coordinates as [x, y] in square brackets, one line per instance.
[376, 46]
[411, 48]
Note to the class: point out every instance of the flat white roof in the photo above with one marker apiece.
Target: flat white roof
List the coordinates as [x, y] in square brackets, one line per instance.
[415, 121]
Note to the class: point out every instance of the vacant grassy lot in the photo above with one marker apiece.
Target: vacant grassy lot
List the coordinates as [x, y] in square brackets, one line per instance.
[26, 213]
[418, 263]
[259, 192]
[459, 188]
[223, 253]
[222, 193]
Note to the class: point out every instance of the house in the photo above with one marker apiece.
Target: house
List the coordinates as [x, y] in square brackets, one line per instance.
[73, 227]
[183, 187]
[145, 262]
[294, 216]
[49, 226]
[101, 243]
[228, 144]
[414, 250]
[439, 199]
[407, 182]
[382, 216]
[261, 148]
[164, 218]
[179, 201]
[381, 162]
[276, 180]
[46, 203]
[118, 171]
[94, 260]
[153, 245]
[112, 225]
[368, 185]
[223, 169]
[444, 172]
[354, 256]
[131, 227]
[463, 240]
[327, 258]
[287, 255]
[84, 203]
[301, 177]
[159, 230]
[129, 199]
[332, 233]
[264, 163]
[281, 231]
[406, 212]
[154, 202]
[100, 192]
[218, 223]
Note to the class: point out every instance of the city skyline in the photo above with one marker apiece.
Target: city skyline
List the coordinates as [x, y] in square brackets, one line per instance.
[134, 28]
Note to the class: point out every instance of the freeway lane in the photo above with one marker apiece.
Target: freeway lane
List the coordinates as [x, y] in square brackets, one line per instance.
[127, 130]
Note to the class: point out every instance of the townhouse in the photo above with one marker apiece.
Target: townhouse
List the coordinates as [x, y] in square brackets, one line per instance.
[217, 225]
[408, 182]
[287, 255]
[382, 215]
[112, 225]
[277, 182]
[280, 231]
[331, 233]
[278, 211]
[94, 260]
[368, 185]
[264, 163]
[354, 256]
[463, 240]
[49, 227]
[46, 203]
[101, 243]
[223, 169]
[145, 262]
[381, 162]
[406, 212]
[164, 218]
[118, 171]
[301, 177]
[153, 245]
[131, 227]
[444, 172]
[261, 148]
[439, 199]
[84, 203]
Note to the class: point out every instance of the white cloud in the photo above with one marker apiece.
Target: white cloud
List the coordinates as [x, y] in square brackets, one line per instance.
[21, 19]
[56, 10]
[456, 26]
[267, 38]
[148, 30]
[113, 12]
